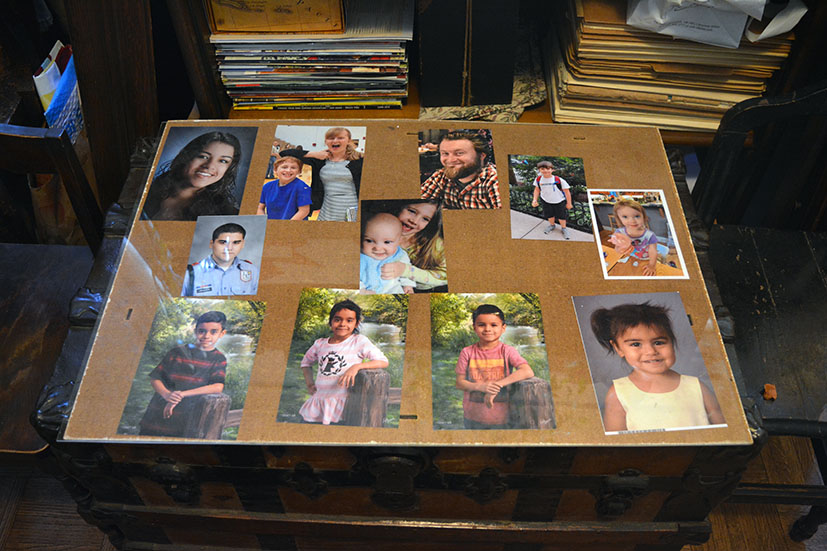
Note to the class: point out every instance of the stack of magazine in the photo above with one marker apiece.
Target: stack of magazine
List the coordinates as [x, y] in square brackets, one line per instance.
[603, 71]
[364, 67]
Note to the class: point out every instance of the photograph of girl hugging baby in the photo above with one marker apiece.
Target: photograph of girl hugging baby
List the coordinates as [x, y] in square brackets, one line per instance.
[402, 247]
[647, 371]
[340, 362]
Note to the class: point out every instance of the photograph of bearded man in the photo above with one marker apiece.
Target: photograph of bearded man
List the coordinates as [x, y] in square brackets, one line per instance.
[468, 177]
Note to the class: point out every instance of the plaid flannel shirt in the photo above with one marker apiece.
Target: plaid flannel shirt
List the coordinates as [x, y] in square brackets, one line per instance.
[481, 193]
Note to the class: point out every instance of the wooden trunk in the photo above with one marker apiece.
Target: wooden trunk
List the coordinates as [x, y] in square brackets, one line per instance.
[260, 497]
[309, 497]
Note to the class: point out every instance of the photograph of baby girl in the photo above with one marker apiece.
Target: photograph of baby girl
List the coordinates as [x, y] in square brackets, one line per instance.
[345, 360]
[322, 177]
[489, 367]
[635, 235]
[200, 171]
[193, 374]
[646, 368]
[401, 247]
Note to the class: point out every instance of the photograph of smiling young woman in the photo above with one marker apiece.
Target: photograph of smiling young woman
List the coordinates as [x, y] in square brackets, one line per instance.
[200, 180]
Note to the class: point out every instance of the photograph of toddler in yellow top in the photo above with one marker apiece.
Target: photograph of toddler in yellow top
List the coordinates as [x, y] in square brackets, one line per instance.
[647, 371]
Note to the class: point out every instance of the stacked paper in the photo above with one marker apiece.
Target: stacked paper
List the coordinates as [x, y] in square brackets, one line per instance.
[366, 66]
[604, 71]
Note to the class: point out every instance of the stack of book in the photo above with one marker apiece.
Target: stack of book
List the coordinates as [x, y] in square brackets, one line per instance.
[365, 66]
[603, 71]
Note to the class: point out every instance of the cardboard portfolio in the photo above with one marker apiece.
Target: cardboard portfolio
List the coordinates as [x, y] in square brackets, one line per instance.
[226, 326]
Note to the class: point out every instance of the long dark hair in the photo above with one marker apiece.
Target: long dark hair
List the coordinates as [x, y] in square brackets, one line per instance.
[346, 304]
[213, 199]
[426, 252]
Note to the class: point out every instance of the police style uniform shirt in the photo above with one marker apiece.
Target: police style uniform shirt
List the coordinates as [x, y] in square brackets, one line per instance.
[207, 279]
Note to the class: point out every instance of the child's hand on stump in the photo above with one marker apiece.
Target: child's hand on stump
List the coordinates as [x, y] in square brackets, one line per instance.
[349, 377]
[174, 397]
[491, 387]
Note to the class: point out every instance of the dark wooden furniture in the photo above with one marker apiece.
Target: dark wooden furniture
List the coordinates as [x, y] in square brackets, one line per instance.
[779, 180]
[773, 292]
[772, 282]
[115, 61]
[48, 150]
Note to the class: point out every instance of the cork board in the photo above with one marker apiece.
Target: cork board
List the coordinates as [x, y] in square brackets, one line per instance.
[534, 280]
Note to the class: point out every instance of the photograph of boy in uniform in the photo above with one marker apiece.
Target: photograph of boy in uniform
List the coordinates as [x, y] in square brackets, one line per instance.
[194, 370]
[224, 271]
[467, 178]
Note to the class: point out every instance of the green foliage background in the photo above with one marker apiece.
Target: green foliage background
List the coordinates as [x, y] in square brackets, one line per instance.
[312, 324]
[569, 168]
[451, 331]
[174, 325]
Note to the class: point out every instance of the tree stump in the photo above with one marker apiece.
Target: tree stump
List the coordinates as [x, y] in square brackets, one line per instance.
[530, 405]
[367, 399]
[208, 415]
